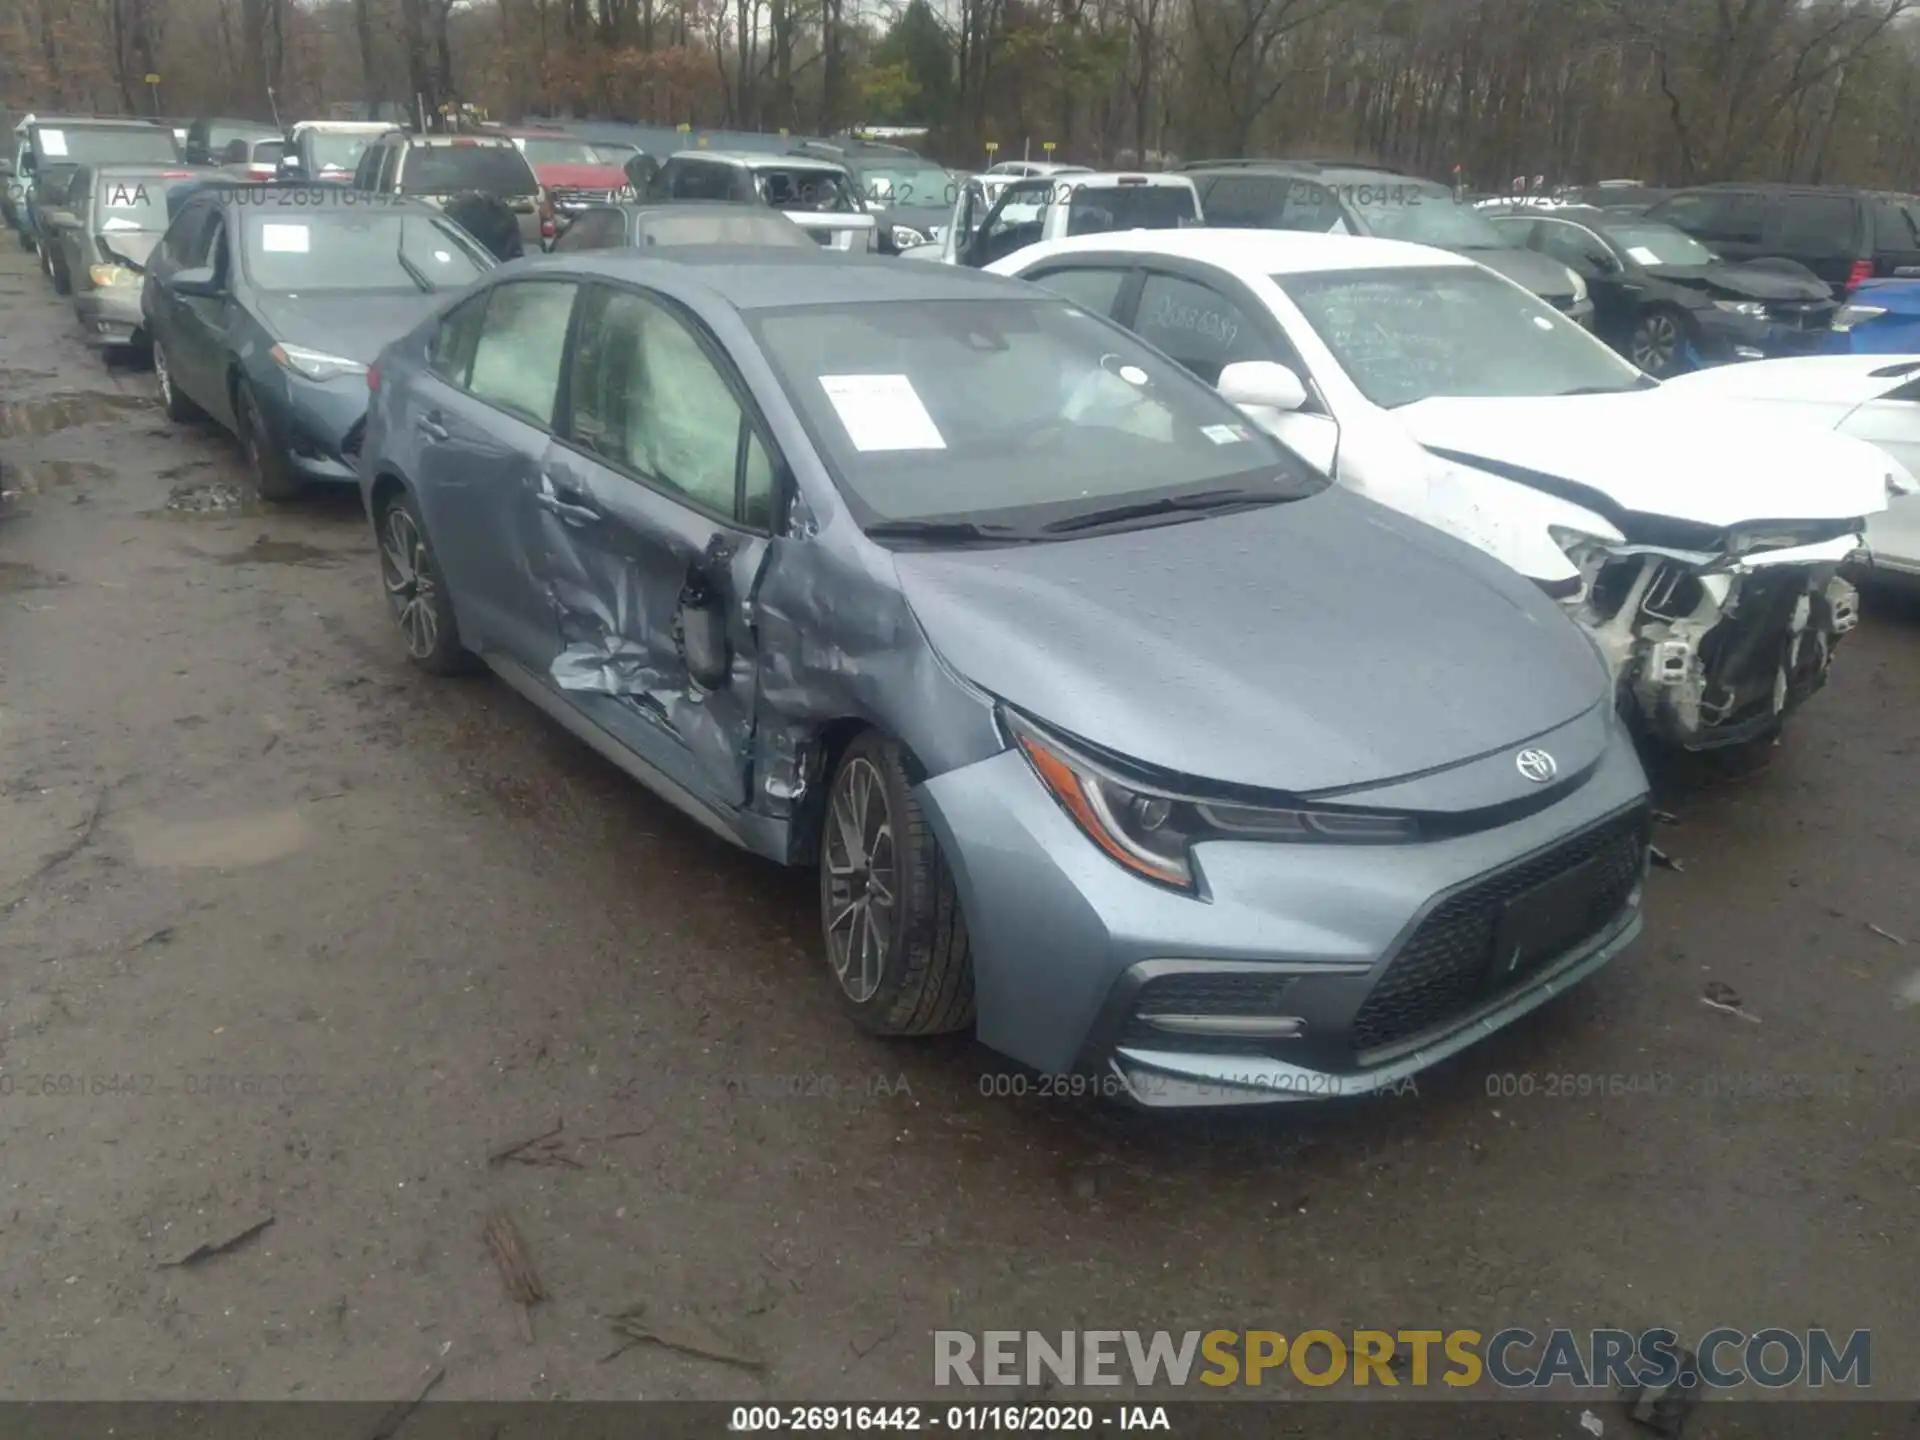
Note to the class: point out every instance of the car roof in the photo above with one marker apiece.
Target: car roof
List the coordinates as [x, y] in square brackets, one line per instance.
[1267, 252]
[761, 278]
[478, 142]
[97, 122]
[761, 159]
[344, 127]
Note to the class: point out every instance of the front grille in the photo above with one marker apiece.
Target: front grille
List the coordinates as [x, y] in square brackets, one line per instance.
[1204, 993]
[1441, 971]
[1803, 315]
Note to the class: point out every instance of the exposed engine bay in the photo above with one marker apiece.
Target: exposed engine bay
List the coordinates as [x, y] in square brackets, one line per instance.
[1709, 650]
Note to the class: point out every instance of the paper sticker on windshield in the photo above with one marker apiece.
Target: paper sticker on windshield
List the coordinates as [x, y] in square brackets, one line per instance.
[283, 239]
[1543, 322]
[1224, 434]
[53, 142]
[1643, 255]
[882, 412]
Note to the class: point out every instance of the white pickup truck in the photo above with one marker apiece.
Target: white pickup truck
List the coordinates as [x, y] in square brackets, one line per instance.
[995, 215]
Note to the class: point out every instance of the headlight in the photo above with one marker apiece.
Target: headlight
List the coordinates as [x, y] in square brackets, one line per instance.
[315, 364]
[905, 235]
[1848, 316]
[1151, 830]
[106, 277]
[1579, 285]
[1751, 308]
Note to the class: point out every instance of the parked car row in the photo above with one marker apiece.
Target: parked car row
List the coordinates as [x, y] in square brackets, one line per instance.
[1214, 657]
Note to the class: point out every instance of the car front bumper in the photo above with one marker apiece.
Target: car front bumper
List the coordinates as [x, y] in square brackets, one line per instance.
[314, 424]
[110, 316]
[1726, 337]
[1076, 960]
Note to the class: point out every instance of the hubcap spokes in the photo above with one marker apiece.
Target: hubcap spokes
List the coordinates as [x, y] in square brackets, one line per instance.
[861, 880]
[409, 577]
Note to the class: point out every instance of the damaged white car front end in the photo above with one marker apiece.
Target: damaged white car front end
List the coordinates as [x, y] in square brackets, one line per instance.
[1717, 602]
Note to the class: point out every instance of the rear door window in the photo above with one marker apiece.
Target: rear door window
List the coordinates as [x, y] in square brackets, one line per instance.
[1247, 202]
[516, 360]
[1097, 288]
[1814, 225]
[449, 169]
[450, 353]
[1733, 216]
[699, 180]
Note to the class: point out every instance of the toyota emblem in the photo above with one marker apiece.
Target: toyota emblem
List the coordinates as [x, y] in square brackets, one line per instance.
[1537, 765]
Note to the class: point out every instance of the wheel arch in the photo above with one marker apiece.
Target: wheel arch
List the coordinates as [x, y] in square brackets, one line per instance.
[821, 751]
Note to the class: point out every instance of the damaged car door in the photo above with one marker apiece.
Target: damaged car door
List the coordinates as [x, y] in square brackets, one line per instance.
[478, 442]
[653, 509]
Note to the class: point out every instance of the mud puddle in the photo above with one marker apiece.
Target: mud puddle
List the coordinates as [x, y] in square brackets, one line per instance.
[62, 412]
[214, 497]
[16, 576]
[36, 477]
[267, 551]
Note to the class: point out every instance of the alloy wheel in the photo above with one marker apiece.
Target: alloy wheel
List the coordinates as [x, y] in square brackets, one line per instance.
[862, 879]
[411, 588]
[1656, 344]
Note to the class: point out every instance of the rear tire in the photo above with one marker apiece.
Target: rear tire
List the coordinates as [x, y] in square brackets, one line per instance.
[422, 609]
[273, 477]
[896, 938]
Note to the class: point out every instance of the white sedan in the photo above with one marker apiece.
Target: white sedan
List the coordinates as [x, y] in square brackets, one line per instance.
[1874, 397]
[1698, 544]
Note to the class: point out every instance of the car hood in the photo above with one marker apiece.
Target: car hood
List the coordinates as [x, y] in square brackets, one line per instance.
[1301, 647]
[133, 246]
[1544, 276]
[1743, 282]
[581, 177]
[354, 326]
[1658, 452]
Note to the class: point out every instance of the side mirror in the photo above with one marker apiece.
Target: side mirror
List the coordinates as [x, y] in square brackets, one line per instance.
[195, 280]
[1261, 384]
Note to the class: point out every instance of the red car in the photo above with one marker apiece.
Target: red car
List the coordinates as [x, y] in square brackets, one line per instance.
[576, 173]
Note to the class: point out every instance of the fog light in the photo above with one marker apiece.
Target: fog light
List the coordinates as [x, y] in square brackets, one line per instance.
[1242, 1027]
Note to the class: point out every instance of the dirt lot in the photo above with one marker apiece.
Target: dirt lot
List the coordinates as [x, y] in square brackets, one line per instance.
[240, 839]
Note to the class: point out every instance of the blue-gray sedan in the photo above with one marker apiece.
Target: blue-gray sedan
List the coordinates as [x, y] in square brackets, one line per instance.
[1113, 732]
[264, 303]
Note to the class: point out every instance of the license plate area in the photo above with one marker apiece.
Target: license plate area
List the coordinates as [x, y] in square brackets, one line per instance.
[1540, 924]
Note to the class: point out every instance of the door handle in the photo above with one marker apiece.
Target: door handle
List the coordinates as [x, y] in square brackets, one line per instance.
[565, 501]
[429, 425]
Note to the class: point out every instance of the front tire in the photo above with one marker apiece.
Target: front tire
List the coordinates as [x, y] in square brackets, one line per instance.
[896, 939]
[421, 607]
[1658, 344]
[273, 477]
[179, 408]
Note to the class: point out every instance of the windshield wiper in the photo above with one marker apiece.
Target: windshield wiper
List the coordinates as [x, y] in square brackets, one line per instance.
[419, 275]
[950, 532]
[1165, 505]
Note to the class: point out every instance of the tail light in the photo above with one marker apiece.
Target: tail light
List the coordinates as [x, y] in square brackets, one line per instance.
[373, 376]
[545, 206]
[1861, 273]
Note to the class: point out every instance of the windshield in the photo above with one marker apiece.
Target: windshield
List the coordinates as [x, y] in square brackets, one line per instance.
[819, 191]
[908, 183]
[1407, 335]
[445, 169]
[292, 249]
[337, 153]
[569, 151]
[89, 145]
[1129, 207]
[1652, 244]
[1015, 409]
[1426, 215]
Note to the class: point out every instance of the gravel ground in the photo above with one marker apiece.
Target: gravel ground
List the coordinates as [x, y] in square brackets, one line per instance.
[239, 838]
